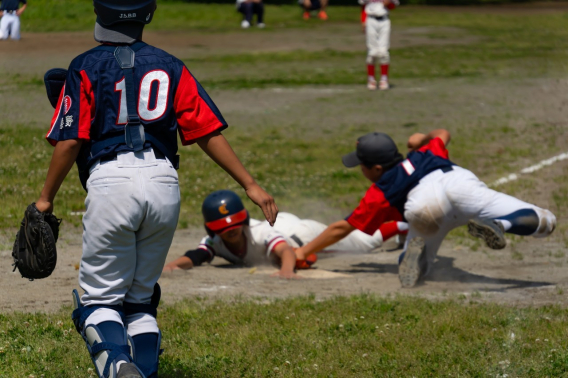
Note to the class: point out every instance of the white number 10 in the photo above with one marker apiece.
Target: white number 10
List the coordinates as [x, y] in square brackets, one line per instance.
[144, 110]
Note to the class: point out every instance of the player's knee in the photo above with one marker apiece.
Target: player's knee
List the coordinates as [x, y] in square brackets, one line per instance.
[546, 224]
[371, 60]
[383, 56]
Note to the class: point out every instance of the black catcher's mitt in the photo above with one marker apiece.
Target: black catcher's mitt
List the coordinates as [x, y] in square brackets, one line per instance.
[34, 251]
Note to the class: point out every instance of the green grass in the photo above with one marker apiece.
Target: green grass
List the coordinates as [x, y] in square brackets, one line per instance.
[363, 336]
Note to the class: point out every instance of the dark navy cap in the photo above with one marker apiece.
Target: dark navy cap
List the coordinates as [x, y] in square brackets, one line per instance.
[373, 148]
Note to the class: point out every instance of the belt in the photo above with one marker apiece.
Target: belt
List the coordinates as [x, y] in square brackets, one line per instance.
[9, 11]
[380, 18]
[112, 156]
[297, 239]
[447, 169]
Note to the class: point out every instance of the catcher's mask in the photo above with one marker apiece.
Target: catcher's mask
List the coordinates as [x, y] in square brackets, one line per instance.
[222, 211]
[122, 21]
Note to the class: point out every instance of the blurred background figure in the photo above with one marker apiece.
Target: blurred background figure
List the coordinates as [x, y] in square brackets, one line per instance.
[10, 12]
[249, 8]
[314, 5]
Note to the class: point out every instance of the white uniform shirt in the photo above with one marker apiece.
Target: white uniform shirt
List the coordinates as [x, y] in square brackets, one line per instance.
[376, 7]
[260, 242]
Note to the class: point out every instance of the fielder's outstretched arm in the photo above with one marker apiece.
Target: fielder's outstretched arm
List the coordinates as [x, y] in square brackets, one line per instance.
[63, 158]
[332, 234]
[219, 150]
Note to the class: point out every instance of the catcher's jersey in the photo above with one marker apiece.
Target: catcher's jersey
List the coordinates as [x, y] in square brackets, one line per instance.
[92, 104]
[385, 200]
[377, 7]
[261, 239]
[11, 5]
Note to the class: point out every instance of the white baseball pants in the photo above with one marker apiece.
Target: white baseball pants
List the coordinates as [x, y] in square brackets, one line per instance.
[132, 210]
[307, 230]
[10, 26]
[378, 40]
[444, 201]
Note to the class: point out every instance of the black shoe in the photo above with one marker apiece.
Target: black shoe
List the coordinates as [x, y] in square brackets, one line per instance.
[489, 230]
[128, 370]
[412, 265]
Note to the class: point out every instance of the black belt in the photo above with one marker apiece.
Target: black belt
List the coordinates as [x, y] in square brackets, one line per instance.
[297, 239]
[380, 18]
[112, 156]
[9, 11]
[447, 169]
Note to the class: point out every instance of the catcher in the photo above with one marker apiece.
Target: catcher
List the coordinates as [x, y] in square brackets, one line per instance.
[118, 116]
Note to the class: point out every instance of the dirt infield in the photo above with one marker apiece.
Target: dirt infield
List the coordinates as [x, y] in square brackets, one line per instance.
[527, 272]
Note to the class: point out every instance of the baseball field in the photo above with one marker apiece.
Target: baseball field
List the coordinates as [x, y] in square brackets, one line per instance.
[294, 95]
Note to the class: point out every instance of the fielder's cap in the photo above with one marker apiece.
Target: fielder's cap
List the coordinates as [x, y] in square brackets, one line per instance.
[373, 148]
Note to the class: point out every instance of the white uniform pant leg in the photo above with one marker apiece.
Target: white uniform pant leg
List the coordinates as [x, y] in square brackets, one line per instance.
[126, 227]
[378, 40]
[5, 25]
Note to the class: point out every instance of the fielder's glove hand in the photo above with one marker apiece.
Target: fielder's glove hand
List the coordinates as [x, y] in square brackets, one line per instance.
[34, 250]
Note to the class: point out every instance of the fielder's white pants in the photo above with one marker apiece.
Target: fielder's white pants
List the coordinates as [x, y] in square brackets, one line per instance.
[10, 26]
[132, 210]
[444, 201]
[307, 230]
[378, 40]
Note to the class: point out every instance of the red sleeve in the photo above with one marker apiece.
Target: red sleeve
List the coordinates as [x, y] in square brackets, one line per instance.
[437, 147]
[391, 5]
[196, 114]
[363, 14]
[373, 211]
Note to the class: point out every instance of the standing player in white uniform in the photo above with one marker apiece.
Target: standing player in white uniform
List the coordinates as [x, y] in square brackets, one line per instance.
[434, 195]
[377, 26]
[243, 241]
[10, 21]
[119, 115]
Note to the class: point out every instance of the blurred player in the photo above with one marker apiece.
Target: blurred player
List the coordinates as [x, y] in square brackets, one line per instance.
[10, 12]
[377, 26]
[434, 195]
[243, 241]
[249, 8]
[314, 5]
[123, 106]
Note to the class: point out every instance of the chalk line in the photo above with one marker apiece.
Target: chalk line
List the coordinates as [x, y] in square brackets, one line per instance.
[531, 169]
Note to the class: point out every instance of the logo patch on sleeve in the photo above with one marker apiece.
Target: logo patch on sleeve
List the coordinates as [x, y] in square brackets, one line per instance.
[66, 104]
[408, 167]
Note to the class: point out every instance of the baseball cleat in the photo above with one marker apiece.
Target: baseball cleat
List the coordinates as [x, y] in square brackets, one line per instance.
[306, 16]
[411, 264]
[307, 263]
[383, 85]
[372, 85]
[128, 371]
[489, 230]
[245, 24]
[322, 15]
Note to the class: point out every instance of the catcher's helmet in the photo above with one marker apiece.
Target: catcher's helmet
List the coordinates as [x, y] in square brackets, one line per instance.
[223, 210]
[110, 12]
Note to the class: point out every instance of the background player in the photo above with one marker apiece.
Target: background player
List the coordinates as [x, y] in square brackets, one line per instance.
[313, 5]
[434, 195]
[377, 26]
[243, 241]
[249, 8]
[118, 116]
[10, 21]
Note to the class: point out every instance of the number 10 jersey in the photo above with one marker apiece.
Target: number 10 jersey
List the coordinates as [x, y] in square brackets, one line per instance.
[92, 104]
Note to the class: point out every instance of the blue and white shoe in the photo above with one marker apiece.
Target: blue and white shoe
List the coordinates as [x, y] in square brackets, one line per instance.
[492, 232]
[412, 263]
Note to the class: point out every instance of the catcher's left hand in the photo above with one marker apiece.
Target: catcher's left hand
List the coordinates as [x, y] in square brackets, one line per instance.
[34, 250]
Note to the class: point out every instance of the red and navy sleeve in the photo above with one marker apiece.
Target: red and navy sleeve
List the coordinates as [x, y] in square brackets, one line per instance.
[437, 147]
[373, 211]
[196, 113]
[75, 109]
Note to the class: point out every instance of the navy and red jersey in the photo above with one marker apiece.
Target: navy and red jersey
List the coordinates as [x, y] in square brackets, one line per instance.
[384, 201]
[92, 104]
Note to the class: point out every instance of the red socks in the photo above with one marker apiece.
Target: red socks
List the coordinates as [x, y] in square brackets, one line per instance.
[371, 70]
[384, 70]
[390, 229]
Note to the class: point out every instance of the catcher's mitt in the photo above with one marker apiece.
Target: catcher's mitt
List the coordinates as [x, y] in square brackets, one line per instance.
[34, 250]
